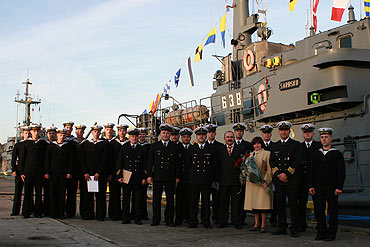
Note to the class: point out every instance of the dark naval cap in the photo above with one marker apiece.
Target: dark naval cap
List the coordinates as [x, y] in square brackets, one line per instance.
[62, 131]
[284, 125]
[80, 126]
[201, 131]
[239, 126]
[326, 131]
[186, 131]
[266, 128]
[133, 131]
[308, 127]
[51, 129]
[166, 126]
[108, 125]
[175, 131]
[122, 126]
[68, 123]
[96, 127]
[211, 127]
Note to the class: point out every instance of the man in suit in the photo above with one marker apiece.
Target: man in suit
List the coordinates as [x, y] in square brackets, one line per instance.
[326, 180]
[164, 172]
[266, 133]
[142, 140]
[202, 172]
[211, 140]
[309, 145]
[228, 180]
[285, 164]
[183, 197]
[18, 152]
[31, 170]
[132, 158]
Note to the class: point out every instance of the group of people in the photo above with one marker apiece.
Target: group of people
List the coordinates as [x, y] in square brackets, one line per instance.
[206, 169]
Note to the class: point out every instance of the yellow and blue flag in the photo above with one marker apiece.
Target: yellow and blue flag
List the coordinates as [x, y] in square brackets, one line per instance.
[222, 29]
[292, 4]
[367, 7]
[198, 53]
[211, 38]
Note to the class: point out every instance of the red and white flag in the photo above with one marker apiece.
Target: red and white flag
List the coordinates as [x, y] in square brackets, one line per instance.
[338, 9]
[315, 4]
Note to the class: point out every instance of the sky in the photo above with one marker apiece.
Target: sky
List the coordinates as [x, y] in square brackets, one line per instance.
[91, 60]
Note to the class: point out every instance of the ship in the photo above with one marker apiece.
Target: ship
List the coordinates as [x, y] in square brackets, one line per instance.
[323, 79]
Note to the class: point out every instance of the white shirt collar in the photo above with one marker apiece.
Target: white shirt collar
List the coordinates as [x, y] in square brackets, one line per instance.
[211, 142]
[286, 140]
[165, 143]
[201, 145]
[308, 142]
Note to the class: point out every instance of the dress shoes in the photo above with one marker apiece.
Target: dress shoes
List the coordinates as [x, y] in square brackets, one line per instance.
[279, 232]
[208, 226]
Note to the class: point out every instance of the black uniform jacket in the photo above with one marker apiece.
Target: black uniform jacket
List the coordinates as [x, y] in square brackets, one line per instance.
[60, 158]
[164, 162]
[33, 161]
[227, 173]
[307, 158]
[202, 167]
[18, 152]
[269, 147]
[95, 157]
[76, 166]
[185, 165]
[327, 169]
[248, 146]
[132, 159]
[286, 158]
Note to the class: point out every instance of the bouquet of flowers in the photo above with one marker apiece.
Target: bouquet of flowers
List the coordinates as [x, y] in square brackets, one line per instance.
[249, 170]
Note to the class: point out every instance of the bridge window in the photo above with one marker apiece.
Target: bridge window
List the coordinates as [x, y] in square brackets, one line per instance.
[345, 42]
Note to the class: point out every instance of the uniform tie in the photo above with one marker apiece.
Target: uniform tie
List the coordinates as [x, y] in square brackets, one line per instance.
[308, 145]
[201, 147]
[229, 149]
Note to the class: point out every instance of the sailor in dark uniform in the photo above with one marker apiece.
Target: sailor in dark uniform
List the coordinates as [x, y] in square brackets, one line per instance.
[183, 198]
[175, 135]
[309, 145]
[114, 208]
[94, 157]
[285, 164]
[211, 140]
[111, 163]
[31, 170]
[202, 171]
[18, 152]
[59, 161]
[77, 172]
[51, 134]
[266, 133]
[142, 140]
[326, 179]
[72, 183]
[228, 180]
[239, 129]
[132, 158]
[164, 171]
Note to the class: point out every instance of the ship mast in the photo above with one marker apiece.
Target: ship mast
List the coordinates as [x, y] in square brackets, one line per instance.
[27, 101]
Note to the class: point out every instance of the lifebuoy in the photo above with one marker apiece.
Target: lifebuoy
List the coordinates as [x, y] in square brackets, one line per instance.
[248, 63]
[262, 97]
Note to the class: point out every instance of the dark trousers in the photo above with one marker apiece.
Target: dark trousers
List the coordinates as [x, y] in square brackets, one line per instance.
[196, 191]
[302, 205]
[30, 183]
[72, 185]
[243, 213]
[183, 203]
[101, 205]
[84, 207]
[282, 191]
[143, 201]
[325, 194]
[131, 191]
[46, 196]
[169, 188]
[227, 193]
[17, 195]
[114, 207]
[58, 185]
[273, 217]
[215, 204]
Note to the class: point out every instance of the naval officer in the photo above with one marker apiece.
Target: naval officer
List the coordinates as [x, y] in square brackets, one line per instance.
[164, 171]
[142, 140]
[18, 152]
[285, 164]
[326, 180]
[175, 135]
[132, 158]
[309, 145]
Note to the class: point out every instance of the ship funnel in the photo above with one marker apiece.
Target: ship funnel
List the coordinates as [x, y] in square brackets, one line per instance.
[244, 25]
[351, 14]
